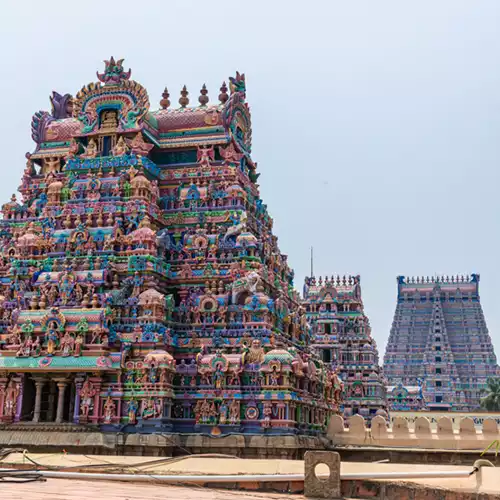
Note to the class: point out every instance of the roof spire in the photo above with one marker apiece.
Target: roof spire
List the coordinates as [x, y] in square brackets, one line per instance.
[223, 96]
[184, 99]
[165, 103]
[203, 99]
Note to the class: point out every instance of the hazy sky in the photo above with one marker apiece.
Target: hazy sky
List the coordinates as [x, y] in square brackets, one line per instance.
[376, 124]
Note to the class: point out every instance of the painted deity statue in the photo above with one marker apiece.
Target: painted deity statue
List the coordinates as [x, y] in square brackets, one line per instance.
[255, 354]
[91, 150]
[11, 394]
[234, 412]
[109, 410]
[87, 392]
[78, 346]
[132, 411]
[67, 344]
[52, 339]
[267, 412]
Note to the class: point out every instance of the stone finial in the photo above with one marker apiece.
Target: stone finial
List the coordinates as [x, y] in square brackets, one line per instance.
[335, 426]
[490, 426]
[203, 99]
[223, 96]
[445, 426]
[422, 425]
[184, 99]
[379, 427]
[165, 103]
[467, 426]
[400, 426]
[357, 425]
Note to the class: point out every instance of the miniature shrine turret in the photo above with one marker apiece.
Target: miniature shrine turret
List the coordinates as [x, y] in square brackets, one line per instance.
[341, 334]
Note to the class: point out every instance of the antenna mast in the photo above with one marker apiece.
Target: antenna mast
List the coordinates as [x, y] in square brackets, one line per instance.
[312, 267]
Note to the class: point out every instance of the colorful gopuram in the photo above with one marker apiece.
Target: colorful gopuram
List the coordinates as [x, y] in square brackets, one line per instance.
[439, 341]
[142, 288]
[342, 336]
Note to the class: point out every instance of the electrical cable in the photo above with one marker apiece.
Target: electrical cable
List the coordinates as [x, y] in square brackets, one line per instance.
[114, 466]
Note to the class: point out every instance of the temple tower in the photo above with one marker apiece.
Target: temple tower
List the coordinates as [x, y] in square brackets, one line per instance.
[141, 286]
[439, 341]
[341, 333]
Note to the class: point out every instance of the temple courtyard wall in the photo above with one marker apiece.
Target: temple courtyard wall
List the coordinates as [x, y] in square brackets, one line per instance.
[419, 435]
[433, 416]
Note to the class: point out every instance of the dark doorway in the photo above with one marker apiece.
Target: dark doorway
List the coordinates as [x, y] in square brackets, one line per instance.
[28, 405]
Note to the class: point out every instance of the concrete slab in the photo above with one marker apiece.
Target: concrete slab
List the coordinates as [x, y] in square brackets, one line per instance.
[70, 489]
[236, 466]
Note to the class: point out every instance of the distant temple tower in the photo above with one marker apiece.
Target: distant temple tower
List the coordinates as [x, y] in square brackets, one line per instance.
[341, 333]
[439, 341]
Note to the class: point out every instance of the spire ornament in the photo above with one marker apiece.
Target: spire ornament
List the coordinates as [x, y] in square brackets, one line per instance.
[165, 103]
[113, 72]
[203, 99]
[223, 96]
[184, 99]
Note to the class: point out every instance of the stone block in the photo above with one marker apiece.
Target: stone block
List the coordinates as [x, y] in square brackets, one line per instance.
[397, 492]
[367, 489]
[327, 487]
[335, 426]
[379, 427]
[400, 426]
[490, 426]
[422, 426]
[467, 426]
[445, 426]
[357, 425]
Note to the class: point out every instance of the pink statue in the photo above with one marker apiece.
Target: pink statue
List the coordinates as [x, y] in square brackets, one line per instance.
[87, 392]
[109, 410]
[67, 343]
[267, 412]
[78, 346]
[11, 394]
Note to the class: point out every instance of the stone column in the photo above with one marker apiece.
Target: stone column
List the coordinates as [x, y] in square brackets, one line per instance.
[76, 414]
[19, 405]
[52, 397]
[60, 401]
[38, 399]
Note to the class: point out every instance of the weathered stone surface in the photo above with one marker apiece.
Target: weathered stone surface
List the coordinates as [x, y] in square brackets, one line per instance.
[327, 487]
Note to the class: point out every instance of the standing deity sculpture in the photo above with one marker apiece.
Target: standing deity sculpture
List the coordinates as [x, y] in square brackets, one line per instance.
[109, 410]
[87, 393]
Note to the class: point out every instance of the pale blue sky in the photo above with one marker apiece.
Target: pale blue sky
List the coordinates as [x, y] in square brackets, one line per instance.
[376, 124]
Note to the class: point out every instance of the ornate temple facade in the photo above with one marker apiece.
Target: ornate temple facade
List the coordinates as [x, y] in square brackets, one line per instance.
[342, 336]
[439, 342]
[142, 287]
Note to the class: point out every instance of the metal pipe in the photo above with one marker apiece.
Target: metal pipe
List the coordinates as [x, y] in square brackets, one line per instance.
[405, 475]
[164, 479]
[236, 478]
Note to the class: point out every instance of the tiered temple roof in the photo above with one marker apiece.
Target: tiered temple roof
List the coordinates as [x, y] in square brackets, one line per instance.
[142, 286]
[440, 342]
[342, 336]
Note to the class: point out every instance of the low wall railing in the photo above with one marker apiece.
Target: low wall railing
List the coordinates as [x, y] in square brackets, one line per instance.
[419, 435]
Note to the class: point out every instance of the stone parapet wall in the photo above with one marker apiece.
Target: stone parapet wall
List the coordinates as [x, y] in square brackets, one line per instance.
[420, 435]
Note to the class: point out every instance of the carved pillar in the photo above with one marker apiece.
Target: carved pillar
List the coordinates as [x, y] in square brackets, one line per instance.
[76, 413]
[52, 398]
[61, 385]
[19, 404]
[95, 414]
[3, 387]
[39, 384]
